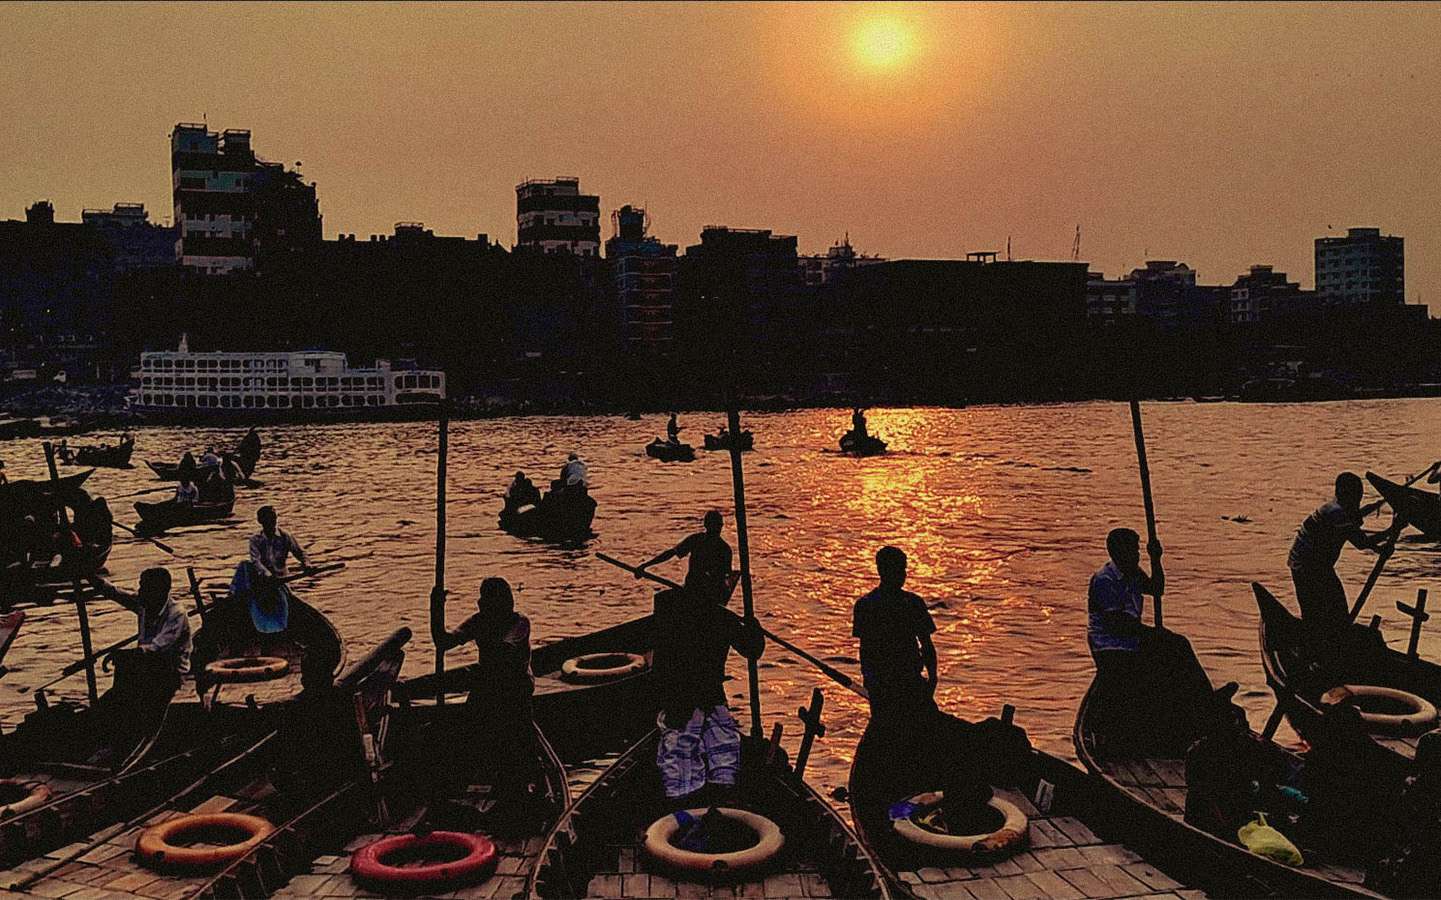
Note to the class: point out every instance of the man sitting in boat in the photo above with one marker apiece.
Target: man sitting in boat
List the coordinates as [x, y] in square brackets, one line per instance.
[700, 741]
[271, 548]
[501, 731]
[522, 492]
[574, 477]
[1151, 687]
[162, 654]
[1316, 549]
[932, 749]
[858, 423]
[210, 458]
[186, 491]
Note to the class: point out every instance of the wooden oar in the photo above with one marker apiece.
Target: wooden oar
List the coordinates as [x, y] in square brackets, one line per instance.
[831, 672]
[1383, 555]
[145, 537]
[733, 417]
[1146, 491]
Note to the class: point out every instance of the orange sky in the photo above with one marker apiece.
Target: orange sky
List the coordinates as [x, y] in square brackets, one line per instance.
[1222, 135]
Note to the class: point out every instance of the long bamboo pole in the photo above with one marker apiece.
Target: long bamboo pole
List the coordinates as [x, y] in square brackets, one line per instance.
[1145, 488]
[743, 547]
[437, 607]
[64, 521]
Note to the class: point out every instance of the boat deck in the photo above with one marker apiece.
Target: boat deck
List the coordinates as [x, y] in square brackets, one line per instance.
[1162, 783]
[1065, 860]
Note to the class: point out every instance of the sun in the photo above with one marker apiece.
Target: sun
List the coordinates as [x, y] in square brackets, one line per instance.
[882, 43]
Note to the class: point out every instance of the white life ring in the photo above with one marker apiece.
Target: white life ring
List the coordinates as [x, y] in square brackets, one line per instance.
[1007, 839]
[769, 842]
[1422, 713]
[602, 666]
[36, 795]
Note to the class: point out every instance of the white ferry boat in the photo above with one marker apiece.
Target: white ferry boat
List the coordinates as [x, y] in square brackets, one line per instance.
[298, 384]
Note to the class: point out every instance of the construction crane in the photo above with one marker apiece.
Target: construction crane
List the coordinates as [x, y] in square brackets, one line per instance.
[1076, 246]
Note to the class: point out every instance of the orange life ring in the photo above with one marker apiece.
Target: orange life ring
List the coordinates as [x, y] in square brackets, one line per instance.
[247, 668]
[662, 831]
[602, 666]
[1421, 716]
[155, 849]
[36, 795]
[1007, 839]
[377, 864]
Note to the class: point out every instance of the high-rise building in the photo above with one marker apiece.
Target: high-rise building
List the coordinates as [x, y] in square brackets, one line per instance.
[230, 207]
[643, 272]
[1361, 268]
[1263, 294]
[553, 216]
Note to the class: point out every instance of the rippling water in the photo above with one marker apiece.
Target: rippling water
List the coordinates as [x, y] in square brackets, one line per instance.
[1002, 510]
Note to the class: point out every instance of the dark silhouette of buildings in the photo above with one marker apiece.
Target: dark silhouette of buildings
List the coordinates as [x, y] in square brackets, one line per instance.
[136, 242]
[642, 275]
[553, 216]
[1362, 268]
[1263, 295]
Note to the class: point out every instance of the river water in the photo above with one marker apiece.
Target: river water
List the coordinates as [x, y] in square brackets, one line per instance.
[1002, 510]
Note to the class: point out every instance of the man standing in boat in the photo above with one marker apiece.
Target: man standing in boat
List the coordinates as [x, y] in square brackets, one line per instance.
[1149, 681]
[700, 740]
[1316, 549]
[271, 548]
[149, 675]
[672, 429]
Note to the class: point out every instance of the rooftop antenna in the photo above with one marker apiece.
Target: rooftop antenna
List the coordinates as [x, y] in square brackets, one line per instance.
[1076, 245]
[1008, 248]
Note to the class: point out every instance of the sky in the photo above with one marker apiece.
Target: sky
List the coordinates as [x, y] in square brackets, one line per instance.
[1221, 135]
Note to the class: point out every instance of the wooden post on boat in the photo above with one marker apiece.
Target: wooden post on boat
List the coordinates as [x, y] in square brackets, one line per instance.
[815, 728]
[1418, 615]
[1145, 488]
[195, 590]
[79, 592]
[1382, 556]
[437, 608]
[733, 419]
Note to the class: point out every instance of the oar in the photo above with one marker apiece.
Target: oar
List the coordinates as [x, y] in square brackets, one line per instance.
[743, 541]
[836, 675]
[1384, 554]
[154, 490]
[1145, 489]
[145, 537]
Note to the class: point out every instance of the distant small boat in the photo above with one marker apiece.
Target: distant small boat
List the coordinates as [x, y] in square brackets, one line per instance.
[665, 451]
[746, 440]
[112, 456]
[559, 518]
[862, 445]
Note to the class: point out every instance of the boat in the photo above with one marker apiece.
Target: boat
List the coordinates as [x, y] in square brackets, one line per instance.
[1152, 792]
[586, 714]
[321, 844]
[596, 848]
[97, 772]
[862, 445]
[247, 454]
[1417, 508]
[560, 517]
[321, 740]
[114, 456]
[156, 517]
[36, 579]
[747, 441]
[666, 451]
[9, 629]
[25, 487]
[1311, 694]
[1072, 847]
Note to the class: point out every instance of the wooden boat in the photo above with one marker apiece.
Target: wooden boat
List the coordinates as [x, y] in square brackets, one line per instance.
[1299, 679]
[319, 742]
[98, 771]
[247, 455]
[1419, 509]
[25, 487]
[595, 849]
[1152, 792]
[558, 518]
[746, 440]
[9, 628]
[583, 719]
[1073, 847]
[34, 578]
[863, 445]
[156, 517]
[115, 456]
[665, 451]
[315, 847]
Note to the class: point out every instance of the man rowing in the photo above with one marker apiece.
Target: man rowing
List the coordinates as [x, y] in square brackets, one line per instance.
[929, 748]
[1316, 549]
[672, 430]
[699, 748]
[271, 548]
[1151, 689]
[499, 704]
[521, 492]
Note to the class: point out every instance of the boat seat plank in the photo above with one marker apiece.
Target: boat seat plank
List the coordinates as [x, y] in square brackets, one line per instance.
[986, 889]
[1054, 886]
[1019, 887]
[1056, 858]
[1151, 877]
[1086, 883]
[1109, 854]
[1044, 834]
[1119, 881]
[1075, 829]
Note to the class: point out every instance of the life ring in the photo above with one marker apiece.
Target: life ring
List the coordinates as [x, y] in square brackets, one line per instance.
[155, 849]
[378, 864]
[1007, 839]
[1422, 713]
[247, 668]
[662, 831]
[36, 795]
[602, 666]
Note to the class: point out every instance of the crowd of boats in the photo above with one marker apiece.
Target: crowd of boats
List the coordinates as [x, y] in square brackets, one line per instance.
[278, 769]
